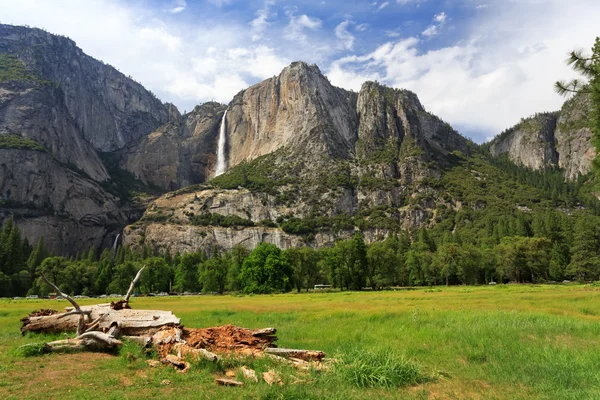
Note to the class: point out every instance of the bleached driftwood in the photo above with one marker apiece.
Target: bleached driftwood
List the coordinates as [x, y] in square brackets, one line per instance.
[130, 322]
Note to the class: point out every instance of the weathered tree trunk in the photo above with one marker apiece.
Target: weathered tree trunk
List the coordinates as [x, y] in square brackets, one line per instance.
[102, 317]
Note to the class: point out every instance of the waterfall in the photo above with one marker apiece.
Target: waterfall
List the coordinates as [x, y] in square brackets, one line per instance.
[221, 147]
[114, 251]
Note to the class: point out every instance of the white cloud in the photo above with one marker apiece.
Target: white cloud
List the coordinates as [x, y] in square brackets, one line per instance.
[345, 37]
[179, 7]
[438, 21]
[382, 6]
[296, 26]
[362, 27]
[430, 31]
[440, 18]
[503, 71]
[261, 22]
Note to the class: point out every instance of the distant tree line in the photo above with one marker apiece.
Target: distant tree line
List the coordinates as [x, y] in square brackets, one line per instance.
[538, 247]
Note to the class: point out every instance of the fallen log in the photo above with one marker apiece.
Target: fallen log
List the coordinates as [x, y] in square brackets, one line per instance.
[100, 326]
[306, 355]
[131, 322]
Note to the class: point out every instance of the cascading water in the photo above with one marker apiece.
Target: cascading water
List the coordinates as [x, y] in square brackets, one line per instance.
[221, 147]
[114, 251]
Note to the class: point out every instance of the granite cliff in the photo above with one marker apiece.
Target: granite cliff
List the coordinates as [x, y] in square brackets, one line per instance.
[59, 109]
[305, 158]
[560, 139]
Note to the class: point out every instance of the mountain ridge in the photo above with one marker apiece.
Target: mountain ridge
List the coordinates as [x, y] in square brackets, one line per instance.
[299, 150]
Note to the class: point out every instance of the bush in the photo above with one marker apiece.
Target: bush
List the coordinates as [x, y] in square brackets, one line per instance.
[17, 142]
[298, 226]
[214, 219]
[365, 369]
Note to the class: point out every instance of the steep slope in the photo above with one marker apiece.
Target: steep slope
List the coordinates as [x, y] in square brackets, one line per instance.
[530, 143]
[58, 108]
[560, 139]
[299, 109]
[179, 153]
[573, 136]
[109, 108]
[368, 162]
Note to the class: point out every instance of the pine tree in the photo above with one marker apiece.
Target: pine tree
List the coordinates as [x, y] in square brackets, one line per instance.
[37, 256]
[585, 260]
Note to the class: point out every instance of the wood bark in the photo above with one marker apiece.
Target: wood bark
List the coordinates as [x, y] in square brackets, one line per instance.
[130, 322]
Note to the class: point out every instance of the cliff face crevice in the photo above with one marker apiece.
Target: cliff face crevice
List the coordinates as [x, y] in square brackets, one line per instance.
[179, 153]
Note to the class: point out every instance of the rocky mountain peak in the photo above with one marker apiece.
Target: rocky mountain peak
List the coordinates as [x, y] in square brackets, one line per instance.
[109, 108]
[559, 139]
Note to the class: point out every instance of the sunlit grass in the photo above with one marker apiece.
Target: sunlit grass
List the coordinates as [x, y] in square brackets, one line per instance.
[502, 342]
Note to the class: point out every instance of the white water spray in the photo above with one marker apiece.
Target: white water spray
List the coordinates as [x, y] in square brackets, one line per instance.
[221, 147]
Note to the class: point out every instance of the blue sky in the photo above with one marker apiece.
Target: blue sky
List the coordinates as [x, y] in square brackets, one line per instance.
[479, 64]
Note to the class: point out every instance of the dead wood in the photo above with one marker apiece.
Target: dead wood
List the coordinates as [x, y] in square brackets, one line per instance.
[306, 355]
[228, 382]
[179, 364]
[131, 322]
[249, 374]
[132, 285]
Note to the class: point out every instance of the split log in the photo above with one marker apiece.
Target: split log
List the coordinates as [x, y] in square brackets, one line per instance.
[306, 355]
[85, 341]
[228, 382]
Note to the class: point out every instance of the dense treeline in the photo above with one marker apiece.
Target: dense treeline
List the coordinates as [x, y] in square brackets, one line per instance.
[531, 247]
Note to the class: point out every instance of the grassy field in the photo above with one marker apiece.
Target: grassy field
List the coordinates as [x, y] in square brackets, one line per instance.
[502, 342]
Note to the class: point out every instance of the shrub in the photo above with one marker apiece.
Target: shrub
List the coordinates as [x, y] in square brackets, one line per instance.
[365, 369]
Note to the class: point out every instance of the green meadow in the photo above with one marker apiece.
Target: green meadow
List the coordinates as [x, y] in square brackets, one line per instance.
[496, 342]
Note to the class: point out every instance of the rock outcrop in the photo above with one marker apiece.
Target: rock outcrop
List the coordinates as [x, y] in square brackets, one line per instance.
[46, 199]
[179, 153]
[299, 109]
[559, 139]
[573, 137]
[109, 108]
[309, 152]
[60, 108]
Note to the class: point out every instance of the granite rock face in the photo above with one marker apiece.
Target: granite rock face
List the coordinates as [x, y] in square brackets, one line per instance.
[573, 137]
[340, 153]
[109, 108]
[530, 143]
[60, 108]
[179, 153]
[298, 109]
[69, 210]
[561, 139]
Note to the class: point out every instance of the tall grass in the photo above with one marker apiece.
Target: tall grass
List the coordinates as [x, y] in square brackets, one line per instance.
[365, 369]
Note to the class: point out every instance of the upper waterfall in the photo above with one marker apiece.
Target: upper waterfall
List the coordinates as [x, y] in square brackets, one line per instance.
[221, 147]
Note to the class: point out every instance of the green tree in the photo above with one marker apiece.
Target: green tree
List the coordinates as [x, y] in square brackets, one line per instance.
[589, 67]
[186, 272]
[585, 260]
[266, 270]
[213, 274]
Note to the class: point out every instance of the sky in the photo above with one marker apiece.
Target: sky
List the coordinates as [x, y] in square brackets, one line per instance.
[480, 65]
